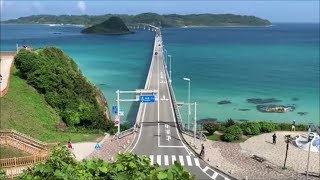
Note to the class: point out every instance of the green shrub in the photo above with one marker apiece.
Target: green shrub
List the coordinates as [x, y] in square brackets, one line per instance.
[250, 128]
[211, 127]
[232, 133]
[284, 127]
[2, 174]
[61, 165]
[230, 122]
[266, 127]
[301, 127]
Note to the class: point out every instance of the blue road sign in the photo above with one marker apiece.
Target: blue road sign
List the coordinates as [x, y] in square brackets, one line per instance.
[114, 109]
[147, 99]
[97, 146]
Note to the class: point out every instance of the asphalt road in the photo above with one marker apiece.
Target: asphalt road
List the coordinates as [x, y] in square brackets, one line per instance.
[159, 137]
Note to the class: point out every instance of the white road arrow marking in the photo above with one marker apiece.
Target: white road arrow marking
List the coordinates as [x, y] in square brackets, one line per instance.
[168, 131]
[166, 125]
[168, 138]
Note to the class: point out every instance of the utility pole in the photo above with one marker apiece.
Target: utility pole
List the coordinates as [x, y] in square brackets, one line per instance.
[118, 109]
[195, 124]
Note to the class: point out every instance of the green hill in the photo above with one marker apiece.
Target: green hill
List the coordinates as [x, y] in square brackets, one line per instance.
[114, 25]
[27, 111]
[62, 99]
[169, 20]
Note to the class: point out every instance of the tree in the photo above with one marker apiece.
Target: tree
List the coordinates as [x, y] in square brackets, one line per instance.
[61, 165]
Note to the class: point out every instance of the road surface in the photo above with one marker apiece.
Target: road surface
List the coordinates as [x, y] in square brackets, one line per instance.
[159, 137]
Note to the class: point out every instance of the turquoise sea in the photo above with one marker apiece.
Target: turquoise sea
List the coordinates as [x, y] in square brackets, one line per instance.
[281, 62]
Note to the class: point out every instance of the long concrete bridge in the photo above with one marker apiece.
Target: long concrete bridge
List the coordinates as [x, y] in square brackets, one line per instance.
[159, 135]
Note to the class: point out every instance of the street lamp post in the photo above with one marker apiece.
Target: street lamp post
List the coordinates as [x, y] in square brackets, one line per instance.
[170, 69]
[287, 140]
[187, 79]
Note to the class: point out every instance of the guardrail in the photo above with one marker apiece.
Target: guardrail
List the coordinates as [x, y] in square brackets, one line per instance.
[23, 138]
[23, 161]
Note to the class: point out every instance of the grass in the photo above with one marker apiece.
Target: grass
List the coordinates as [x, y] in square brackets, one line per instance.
[26, 111]
[215, 137]
[8, 152]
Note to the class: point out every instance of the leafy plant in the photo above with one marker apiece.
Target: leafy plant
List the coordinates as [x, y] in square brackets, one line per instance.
[250, 128]
[230, 122]
[232, 133]
[267, 127]
[2, 174]
[62, 165]
[211, 127]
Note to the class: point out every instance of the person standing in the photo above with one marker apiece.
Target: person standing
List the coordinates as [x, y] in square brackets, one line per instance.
[69, 145]
[293, 126]
[202, 151]
[274, 138]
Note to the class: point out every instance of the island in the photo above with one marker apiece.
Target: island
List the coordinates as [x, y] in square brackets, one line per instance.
[113, 26]
[167, 20]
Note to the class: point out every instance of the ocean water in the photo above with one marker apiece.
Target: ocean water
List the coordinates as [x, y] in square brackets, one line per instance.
[281, 61]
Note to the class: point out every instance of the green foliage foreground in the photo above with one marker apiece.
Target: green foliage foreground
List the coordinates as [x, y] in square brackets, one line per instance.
[62, 165]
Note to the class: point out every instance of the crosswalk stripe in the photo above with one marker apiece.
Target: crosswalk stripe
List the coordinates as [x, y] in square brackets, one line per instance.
[173, 157]
[196, 161]
[205, 169]
[189, 161]
[159, 159]
[215, 174]
[151, 159]
[181, 160]
[166, 160]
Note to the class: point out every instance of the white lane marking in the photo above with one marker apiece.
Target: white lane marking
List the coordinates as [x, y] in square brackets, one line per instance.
[175, 120]
[147, 85]
[166, 160]
[168, 131]
[168, 138]
[143, 113]
[215, 174]
[173, 158]
[189, 161]
[196, 161]
[181, 160]
[151, 159]
[205, 169]
[159, 159]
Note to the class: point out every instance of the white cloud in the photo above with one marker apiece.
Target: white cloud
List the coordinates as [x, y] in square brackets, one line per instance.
[82, 6]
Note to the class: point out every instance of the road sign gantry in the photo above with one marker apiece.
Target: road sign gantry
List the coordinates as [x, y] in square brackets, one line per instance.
[142, 95]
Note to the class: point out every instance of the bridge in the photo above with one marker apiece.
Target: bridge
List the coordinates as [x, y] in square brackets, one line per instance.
[160, 127]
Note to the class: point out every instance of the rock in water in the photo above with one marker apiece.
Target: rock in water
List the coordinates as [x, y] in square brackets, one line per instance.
[224, 102]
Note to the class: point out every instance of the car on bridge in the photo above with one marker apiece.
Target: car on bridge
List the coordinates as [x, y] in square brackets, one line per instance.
[155, 53]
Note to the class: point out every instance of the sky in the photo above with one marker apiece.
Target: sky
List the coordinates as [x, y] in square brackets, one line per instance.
[273, 10]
